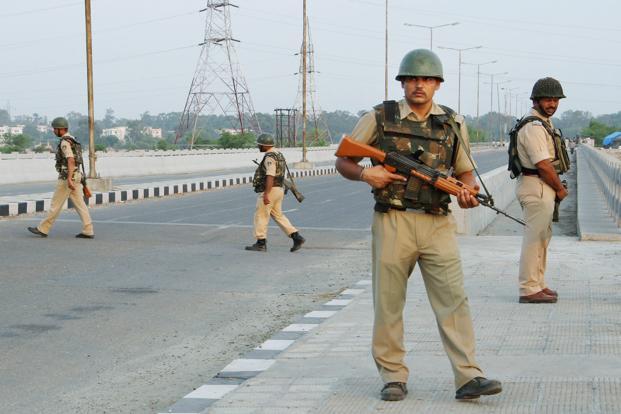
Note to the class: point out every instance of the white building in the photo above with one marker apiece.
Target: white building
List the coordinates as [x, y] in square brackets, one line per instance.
[118, 132]
[11, 130]
[44, 128]
[154, 132]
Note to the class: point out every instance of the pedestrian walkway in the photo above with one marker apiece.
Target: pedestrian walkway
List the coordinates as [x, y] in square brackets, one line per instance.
[560, 358]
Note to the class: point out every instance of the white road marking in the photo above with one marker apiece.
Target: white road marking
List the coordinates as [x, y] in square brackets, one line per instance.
[275, 344]
[352, 291]
[241, 226]
[289, 211]
[338, 302]
[249, 365]
[319, 314]
[212, 392]
[300, 327]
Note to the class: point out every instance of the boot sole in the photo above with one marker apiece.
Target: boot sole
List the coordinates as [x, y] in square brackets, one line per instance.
[490, 391]
[393, 397]
[538, 301]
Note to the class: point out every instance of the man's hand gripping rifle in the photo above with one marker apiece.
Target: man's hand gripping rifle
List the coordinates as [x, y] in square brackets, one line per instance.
[395, 162]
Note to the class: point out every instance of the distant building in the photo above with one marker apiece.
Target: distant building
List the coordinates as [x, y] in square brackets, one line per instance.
[11, 130]
[154, 132]
[233, 131]
[44, 128]
[119, 132]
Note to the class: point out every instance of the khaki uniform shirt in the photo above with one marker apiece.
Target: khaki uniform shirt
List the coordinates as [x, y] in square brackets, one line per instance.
[270, 163]
[534, 144]
[365, 131]
[65, 147]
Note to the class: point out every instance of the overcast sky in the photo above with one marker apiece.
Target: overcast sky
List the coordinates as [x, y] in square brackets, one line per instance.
[145, 52]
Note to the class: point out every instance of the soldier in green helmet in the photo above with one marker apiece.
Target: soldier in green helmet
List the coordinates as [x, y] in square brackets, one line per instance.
[541, 156]
[69, 184]
[268, 181]
[412, 225]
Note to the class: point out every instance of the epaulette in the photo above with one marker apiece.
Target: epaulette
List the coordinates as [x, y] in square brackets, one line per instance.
[537, 123]
[459, 118]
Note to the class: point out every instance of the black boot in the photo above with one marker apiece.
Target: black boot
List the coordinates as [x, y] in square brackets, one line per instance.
[259, 246]
[298, 241]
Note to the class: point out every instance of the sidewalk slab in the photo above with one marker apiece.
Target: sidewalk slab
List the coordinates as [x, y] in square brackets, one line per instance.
[560, 358]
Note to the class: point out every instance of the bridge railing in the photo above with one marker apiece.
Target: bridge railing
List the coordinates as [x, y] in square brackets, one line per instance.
[606, 171]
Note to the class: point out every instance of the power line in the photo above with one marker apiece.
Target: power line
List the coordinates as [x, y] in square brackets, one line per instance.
[41, 9]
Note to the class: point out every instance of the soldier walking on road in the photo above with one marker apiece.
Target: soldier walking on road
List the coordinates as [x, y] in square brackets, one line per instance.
[69, 185]
[412, 224]
[541, 157]
[268, 181]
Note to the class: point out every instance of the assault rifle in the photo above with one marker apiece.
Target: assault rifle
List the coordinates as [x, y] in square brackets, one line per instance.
[408, 167]
[289, 184]
[557, 205]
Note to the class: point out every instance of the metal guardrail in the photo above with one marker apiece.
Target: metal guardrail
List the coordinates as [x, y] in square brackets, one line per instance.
[606, 170]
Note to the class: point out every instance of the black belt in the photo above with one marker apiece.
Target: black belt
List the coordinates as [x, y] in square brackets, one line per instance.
[530, 171]
[385, 208]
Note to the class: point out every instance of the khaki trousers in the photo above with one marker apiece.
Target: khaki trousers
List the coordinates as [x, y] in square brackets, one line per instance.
[274, 209]
[61, 194]
[400, 240]
[537, 201]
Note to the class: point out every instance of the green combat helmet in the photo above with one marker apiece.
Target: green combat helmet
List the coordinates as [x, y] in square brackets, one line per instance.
[420, 62]
[60, 123]
[266, 140]
[547, 88]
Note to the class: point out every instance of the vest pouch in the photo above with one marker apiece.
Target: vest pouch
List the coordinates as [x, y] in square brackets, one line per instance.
[412, 189]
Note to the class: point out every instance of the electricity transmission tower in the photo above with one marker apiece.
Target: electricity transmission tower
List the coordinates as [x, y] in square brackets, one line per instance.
[307, 94]
[218, 86]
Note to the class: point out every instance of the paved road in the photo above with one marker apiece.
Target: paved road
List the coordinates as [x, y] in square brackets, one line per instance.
[486, 159]
[165, 296]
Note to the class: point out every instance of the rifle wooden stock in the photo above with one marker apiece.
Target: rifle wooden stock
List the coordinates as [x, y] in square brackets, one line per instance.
[406, 166]
[351, 148]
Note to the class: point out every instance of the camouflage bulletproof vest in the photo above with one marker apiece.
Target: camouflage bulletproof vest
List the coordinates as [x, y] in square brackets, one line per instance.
[258, 181]
[561, 162]
[61, 162]
[436, 136]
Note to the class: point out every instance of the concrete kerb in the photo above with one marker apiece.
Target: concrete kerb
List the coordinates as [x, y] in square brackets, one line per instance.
[36, 203]
[262, 357]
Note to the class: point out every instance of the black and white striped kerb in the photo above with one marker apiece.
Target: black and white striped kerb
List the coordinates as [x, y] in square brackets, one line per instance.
[36, 206]
[261, 358]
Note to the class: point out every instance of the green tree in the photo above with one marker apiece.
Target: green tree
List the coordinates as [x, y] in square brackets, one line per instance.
[476, 135]
[229, 140]
[598, 131]
[16, 143]
[162, 144]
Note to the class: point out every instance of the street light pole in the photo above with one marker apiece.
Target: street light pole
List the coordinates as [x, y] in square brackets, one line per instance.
[92, 172]
[459, 50]
[491, 88]
[478, 65]
[479, 79]
[430, 29]
[386, 56]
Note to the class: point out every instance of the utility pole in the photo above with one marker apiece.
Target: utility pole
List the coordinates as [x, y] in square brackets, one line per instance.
[430, 29]
[386, 56]
[304, 70]
[92, 157]
[459, 50]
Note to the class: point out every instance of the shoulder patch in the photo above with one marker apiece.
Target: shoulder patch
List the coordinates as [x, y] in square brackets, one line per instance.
[459, 118]
[537, 123]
